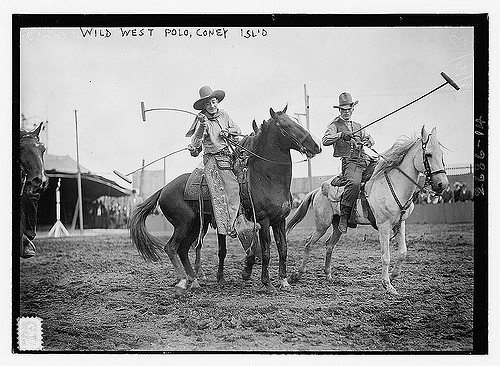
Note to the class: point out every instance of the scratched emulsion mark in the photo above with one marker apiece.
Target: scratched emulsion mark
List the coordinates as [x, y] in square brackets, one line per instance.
[29, 333]
[462, 62]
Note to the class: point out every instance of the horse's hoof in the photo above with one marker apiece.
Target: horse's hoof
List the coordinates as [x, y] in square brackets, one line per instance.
[268, 289]
[295, 277]
[329, 277]
[195, 286]
[284, 285]
[182, 284]
[246, 274]
[221, 281]
[202, 278]
[390, 288]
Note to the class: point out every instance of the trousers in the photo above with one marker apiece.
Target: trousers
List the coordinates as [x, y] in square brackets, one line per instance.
[29, 209]
[225, 193]
[355, 170]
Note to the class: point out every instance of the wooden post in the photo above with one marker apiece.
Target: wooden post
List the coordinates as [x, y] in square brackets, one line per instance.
[309, 169]
[75, 215]
[79, 178]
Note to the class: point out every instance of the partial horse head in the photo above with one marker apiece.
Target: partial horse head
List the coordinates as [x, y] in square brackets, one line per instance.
[33, 178]
[293, 135]
[430, 161]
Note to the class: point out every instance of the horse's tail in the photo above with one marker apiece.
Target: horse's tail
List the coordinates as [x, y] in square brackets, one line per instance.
[146, 244]
[301, 210]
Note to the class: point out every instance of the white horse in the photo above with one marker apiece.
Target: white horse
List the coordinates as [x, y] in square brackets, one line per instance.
[389, 193]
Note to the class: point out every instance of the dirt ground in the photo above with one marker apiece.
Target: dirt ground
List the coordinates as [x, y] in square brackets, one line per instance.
[97, 294]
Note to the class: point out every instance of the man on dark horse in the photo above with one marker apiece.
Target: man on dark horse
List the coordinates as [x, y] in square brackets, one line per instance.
[357, 166]
[210, 131]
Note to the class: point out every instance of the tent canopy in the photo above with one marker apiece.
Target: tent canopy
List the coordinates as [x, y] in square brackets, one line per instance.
[93, 186]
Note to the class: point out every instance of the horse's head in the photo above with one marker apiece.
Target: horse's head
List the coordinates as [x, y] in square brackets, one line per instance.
[33, 178]
[293, 135]
[430, 161]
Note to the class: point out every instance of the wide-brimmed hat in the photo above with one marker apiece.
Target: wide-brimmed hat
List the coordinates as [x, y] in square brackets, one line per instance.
[345, 101]
[207, 93]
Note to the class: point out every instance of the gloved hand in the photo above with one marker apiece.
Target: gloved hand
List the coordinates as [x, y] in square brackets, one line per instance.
[366, 141]
[345, 135]
[224, 133]
[202, 119]
[193, 150]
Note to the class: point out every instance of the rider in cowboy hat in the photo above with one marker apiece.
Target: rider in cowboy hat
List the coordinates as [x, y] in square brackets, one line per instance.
[356, 164]
[211, 131]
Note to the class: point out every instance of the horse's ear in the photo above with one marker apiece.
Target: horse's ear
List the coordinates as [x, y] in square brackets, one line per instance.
[284, 109]
[434, 132]
[254, 126]
[37, 131]
[424, 134]
[273, 114]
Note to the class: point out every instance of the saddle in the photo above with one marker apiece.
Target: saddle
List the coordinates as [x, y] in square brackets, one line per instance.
[333, 190]
[197, 178]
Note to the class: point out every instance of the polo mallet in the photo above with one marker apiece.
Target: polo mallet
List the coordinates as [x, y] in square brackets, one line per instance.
[124, 176]
[448, 81]
[144, 110]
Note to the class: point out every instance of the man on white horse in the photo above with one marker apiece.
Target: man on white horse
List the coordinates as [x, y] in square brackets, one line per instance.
[357, 166]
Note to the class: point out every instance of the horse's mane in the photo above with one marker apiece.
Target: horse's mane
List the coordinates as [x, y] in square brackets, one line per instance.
[254, 141]
[395, 155]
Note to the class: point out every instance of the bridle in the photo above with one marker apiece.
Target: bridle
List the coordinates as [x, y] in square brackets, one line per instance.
[427, 167]
[299, 143]
[284, 133]
[24, 175]
[428, 176]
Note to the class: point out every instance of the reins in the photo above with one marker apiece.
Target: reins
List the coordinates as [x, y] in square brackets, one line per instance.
[428, 176]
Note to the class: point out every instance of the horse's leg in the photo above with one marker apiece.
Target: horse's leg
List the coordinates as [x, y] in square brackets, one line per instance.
[310, 241]
[197, 263]
[330, 244]
[401, 256]
[246, 272]
[384, 232]
[183, 251]
[265, 241]
[171, 250]
[221, 239]
[280, 238]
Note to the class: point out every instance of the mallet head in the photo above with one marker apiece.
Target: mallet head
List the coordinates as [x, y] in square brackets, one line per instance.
[451, 82]
[143, 112]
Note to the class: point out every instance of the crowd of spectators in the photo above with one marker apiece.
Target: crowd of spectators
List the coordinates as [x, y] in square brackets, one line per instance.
[459, 193]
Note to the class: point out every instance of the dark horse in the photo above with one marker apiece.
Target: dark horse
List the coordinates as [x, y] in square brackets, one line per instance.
[33, 183]
[270, 171]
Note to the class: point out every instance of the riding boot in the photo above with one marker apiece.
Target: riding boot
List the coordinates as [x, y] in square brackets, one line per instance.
[28, 249]
[345, 213]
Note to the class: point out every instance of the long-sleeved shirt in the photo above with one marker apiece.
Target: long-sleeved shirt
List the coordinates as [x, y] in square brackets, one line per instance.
[209, 136]
[334, 132]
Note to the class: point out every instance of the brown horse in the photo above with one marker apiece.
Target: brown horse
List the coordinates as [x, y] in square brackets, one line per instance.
[270, 171]
[33, 183]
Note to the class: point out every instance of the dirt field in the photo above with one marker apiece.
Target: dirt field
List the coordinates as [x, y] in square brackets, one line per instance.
[96, 293]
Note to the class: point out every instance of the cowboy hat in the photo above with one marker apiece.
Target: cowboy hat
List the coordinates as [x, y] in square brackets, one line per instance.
[345, 101]
[207, 93]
